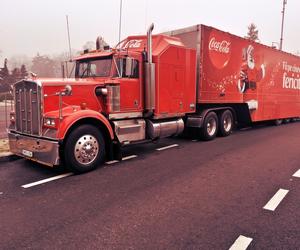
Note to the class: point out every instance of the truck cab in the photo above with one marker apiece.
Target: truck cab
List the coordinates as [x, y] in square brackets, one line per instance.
[139, 91]
[122, 69]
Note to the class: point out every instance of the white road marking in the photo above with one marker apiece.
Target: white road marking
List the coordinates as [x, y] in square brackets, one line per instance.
[276, 199]
[123, 159]
[167, 147]
[297, 174]
[111, 162]
[241, 243]
[129, 157]
[194, 140]
[46, 180]
[246, 128]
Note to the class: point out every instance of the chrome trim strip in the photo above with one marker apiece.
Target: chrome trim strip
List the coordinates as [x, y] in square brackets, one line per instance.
[25, 111]
[21, 119]
[38, 82]
[125, 115]
[28, 107]
[31, 116]
[39, 106]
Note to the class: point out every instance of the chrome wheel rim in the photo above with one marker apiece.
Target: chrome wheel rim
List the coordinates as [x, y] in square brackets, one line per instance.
[86, 149]
[227, 123]
[211, 127]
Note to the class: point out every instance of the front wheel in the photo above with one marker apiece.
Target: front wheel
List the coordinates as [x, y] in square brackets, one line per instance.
[210, 127]
[226, 123]
[84, 149]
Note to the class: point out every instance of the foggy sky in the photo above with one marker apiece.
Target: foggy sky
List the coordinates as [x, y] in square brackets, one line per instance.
[31, 26]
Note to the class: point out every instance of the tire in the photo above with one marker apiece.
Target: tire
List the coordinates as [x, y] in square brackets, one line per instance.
[226, 123]
[278, 122]
[210, 127]
[287, 120]
[84, 149]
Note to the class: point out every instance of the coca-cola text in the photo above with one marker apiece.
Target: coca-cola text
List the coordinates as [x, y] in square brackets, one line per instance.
[222, 47]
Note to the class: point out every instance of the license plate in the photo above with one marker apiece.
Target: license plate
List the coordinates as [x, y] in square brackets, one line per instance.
[27, 153]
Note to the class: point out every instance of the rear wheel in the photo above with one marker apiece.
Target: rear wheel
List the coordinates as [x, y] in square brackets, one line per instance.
[210, 127]
[84, 149]
[226, 123]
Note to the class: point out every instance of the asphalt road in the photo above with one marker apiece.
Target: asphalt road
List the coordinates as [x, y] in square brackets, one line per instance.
[197, 195]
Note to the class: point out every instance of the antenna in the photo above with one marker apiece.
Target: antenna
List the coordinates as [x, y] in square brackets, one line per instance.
[146, 13]
[282, 23]
[69, 40]
[120, 22]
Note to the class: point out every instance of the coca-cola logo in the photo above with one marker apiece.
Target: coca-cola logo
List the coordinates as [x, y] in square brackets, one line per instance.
[219, 48]
[222, 46]
[132, 44]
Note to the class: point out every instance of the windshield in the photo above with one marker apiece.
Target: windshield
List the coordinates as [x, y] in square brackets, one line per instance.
[100, 67]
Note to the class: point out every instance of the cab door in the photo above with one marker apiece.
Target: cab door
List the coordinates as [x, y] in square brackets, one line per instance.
[131, 88]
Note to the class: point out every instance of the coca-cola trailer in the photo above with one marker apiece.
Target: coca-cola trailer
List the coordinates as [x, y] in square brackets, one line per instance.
[196, 79]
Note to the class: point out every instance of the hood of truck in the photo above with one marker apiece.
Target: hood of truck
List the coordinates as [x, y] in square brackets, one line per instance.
[83, 93]
[69, 81]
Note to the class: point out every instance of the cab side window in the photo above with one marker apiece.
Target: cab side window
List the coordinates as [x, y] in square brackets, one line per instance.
[121, 71]
[135, 72]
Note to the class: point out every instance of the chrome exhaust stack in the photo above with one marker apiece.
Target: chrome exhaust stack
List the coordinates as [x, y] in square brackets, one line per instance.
[149, 75]
[149, 42]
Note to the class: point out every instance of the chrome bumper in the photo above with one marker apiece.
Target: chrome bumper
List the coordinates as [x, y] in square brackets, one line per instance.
[35, 149]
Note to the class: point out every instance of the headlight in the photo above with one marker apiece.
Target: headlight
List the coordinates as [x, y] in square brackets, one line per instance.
[49, 122]
[12, 117]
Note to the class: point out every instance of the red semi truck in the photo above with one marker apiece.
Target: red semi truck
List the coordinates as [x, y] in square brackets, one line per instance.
[150, 87]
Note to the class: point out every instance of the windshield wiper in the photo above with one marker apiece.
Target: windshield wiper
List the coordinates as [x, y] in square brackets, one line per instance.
[114, 59]
[83, 73]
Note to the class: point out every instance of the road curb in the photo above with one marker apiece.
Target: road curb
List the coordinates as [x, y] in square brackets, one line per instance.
[8, 156]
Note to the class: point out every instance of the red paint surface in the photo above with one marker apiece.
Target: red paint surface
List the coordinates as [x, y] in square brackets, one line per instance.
[274, 100]
[227, 64]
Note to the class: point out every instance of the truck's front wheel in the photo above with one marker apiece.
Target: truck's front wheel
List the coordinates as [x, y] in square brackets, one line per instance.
[84, 149]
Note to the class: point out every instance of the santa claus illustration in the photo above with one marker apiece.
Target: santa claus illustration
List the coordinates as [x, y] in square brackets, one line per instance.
[250, 74]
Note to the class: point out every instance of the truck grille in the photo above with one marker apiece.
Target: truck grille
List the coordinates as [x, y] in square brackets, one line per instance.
[28, 107]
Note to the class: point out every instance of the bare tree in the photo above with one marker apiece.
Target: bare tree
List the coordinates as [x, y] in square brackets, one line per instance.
[252, 33]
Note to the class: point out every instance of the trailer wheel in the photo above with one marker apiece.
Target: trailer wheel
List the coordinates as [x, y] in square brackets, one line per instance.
[84, 149]
[210, 127]
[277, 122]
[226, 123]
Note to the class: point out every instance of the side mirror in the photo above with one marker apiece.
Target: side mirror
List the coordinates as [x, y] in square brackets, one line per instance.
[11, 89]
[129, 66]
[68, 90]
